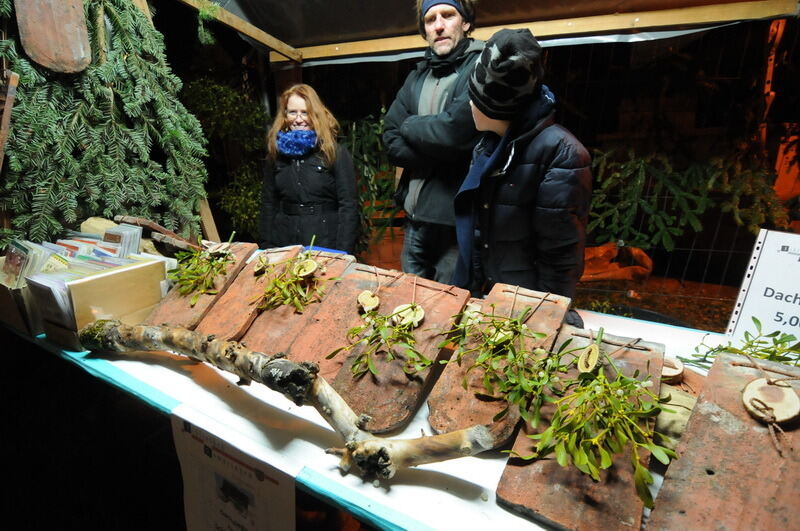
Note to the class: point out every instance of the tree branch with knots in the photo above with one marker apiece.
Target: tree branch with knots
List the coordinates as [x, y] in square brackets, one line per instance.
[375, 456]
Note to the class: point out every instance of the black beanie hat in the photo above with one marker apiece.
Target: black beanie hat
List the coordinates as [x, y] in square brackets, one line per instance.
[507, 74]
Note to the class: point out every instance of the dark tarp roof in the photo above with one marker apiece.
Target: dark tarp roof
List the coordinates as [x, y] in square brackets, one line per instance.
[311, 22]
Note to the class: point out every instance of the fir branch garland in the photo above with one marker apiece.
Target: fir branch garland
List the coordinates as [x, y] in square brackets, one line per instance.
[111, 140]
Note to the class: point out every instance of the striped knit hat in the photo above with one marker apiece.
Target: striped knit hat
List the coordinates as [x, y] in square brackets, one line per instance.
[507, 74]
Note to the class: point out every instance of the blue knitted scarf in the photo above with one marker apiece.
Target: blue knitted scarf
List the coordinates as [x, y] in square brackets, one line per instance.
[296, 143]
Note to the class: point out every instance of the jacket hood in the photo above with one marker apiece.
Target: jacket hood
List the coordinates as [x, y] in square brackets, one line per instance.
[538, 115]
[532, 121]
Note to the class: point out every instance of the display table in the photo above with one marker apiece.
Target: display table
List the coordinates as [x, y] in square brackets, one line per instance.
[290, 441]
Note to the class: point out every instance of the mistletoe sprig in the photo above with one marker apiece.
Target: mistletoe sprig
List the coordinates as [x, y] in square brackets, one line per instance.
[775, 346]
[295, 285]
[391, 335]
[199, 268]
[599, 418]
[511, 371]
[595, 417]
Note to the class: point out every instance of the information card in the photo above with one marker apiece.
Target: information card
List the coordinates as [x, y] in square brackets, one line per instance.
[771, 287]
[225, 489]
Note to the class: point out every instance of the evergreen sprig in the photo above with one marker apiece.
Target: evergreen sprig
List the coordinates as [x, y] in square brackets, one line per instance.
[113, 139]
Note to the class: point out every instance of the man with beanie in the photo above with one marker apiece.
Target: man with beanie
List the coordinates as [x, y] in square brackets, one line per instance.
[429, 132]
[522, 209]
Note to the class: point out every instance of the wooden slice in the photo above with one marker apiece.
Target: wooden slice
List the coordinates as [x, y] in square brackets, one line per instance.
[368, 300]
[588, 359]
[672, 372]
[767, 401]
[305, 268]
[408, 314]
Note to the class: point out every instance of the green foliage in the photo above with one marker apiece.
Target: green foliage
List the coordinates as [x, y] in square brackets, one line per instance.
[606, 306]
[598, 419]
[206, 13]
[595, 417]
[293, 285]
[111, 140]
[775, 346]
[646, 202]
[390, 335]
[233, 121]
[747, 193]
[198, 270]
[644, 186]
[228, 114]
[364, 140]
[241, 198]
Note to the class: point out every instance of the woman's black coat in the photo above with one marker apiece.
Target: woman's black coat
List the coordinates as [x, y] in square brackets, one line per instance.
[303, 198]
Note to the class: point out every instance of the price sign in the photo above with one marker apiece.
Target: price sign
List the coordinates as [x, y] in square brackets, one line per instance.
[771, 287]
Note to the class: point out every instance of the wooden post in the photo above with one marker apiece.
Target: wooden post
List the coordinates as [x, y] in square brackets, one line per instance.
[144, 8]
[242, 26]
[773, 41]
[8, 92]
[640, 20]
[207, 221]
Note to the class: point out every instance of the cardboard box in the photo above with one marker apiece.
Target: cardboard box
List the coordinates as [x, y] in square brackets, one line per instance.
[18, 311]
[128, 293]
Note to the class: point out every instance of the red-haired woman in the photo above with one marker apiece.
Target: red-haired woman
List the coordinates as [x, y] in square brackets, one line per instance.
[309, 185]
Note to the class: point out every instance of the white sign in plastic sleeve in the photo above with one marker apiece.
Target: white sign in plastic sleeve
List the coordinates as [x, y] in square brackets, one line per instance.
[771, 287]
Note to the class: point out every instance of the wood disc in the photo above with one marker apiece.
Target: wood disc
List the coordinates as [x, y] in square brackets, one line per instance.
[672, 372]
[305, 268]
[406, 314]
[588, 359]
[779, 396]
[368, 300]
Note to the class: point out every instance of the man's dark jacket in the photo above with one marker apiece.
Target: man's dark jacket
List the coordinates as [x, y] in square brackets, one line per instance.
[304, 197]
[435, 147]
[530, 200]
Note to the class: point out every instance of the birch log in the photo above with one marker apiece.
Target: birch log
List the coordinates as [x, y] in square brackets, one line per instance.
[299, 382]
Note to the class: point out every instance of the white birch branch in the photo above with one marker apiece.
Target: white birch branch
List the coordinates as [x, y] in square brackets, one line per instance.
[299, 382]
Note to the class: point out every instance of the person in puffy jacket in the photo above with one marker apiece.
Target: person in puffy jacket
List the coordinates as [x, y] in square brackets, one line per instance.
[309, 188]
[522, 209]
[428, 131]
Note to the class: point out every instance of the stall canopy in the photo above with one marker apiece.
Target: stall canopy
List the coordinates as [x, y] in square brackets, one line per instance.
[325, 28]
